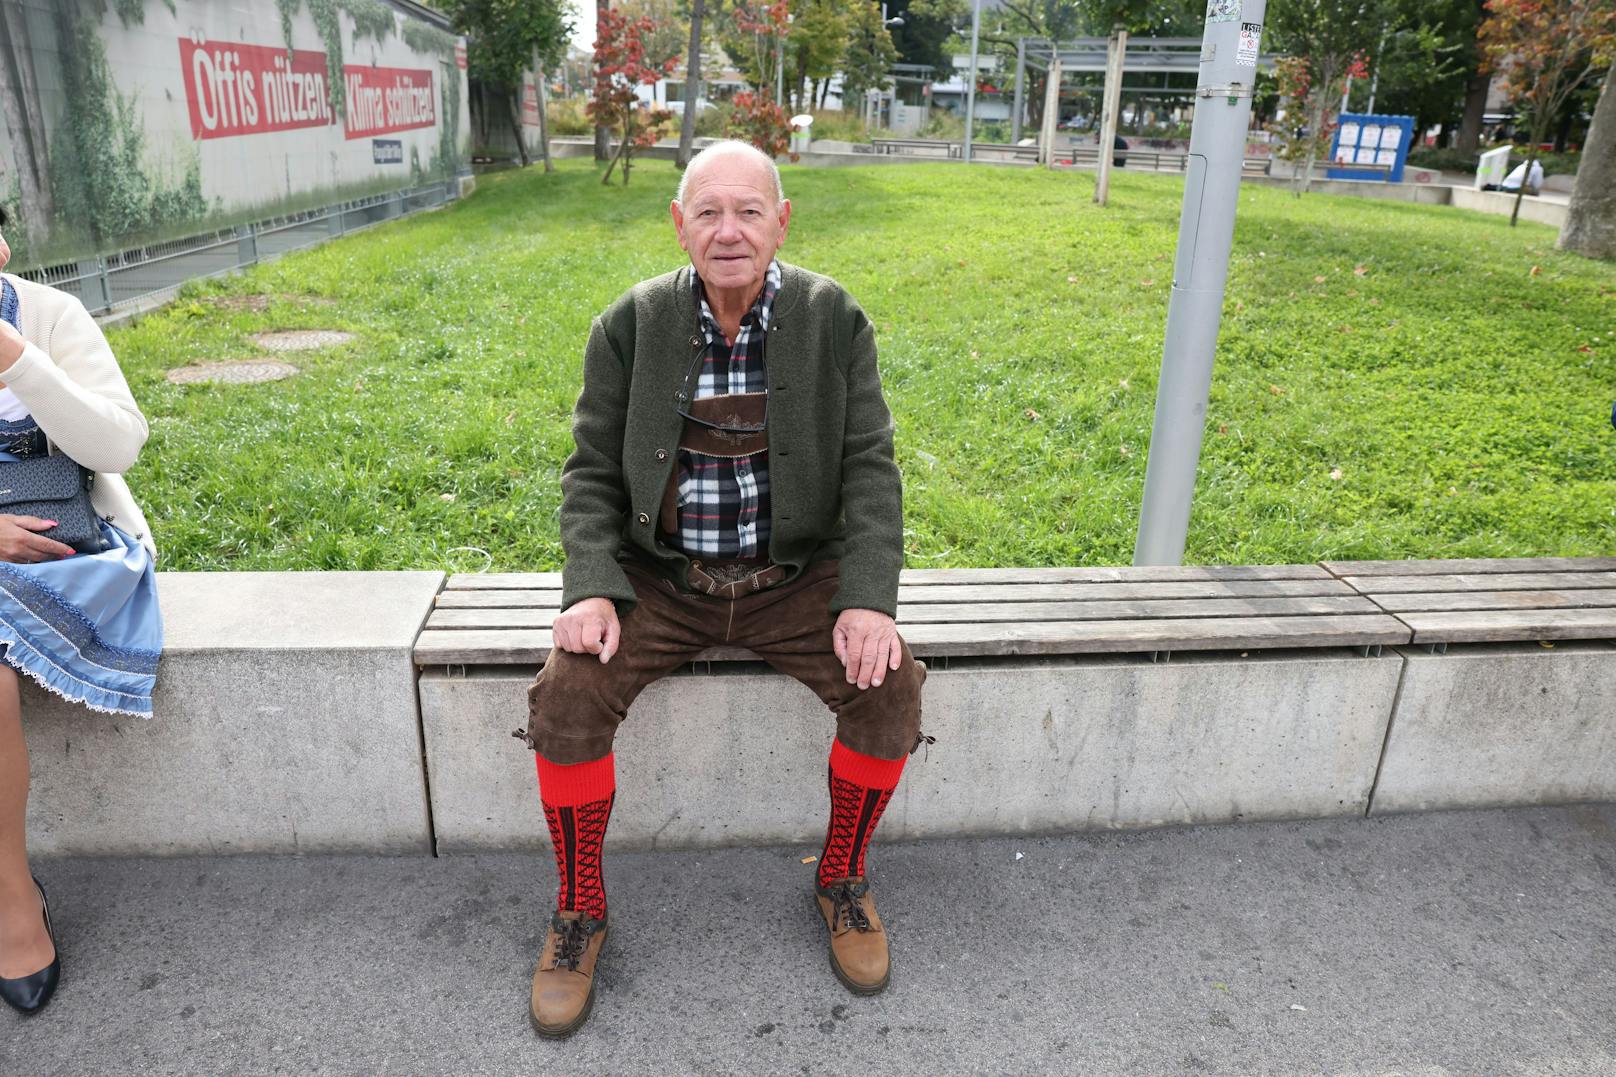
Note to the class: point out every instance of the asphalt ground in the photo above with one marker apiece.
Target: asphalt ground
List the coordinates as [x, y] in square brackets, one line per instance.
[1445, 943]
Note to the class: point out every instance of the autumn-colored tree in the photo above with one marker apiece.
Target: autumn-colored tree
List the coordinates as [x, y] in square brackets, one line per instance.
[1311, 118]
[1545, 50]
[759, 30]
[620, 66]
[759, 120]
[1325, 41]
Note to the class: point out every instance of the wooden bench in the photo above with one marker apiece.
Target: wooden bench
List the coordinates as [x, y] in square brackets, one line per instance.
[1491, 600]
[1082, 697]
[505, 619]
[919, 146]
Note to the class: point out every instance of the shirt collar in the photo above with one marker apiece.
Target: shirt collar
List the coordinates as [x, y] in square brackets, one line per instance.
[761, 310]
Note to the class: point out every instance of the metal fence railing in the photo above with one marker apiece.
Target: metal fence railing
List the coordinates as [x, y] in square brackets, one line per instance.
[109, 282]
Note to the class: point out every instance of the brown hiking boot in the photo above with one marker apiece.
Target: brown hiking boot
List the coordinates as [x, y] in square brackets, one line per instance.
[858, 945]
[564, 982]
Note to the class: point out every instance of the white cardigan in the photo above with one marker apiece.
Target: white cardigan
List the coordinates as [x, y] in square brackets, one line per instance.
[70, 381]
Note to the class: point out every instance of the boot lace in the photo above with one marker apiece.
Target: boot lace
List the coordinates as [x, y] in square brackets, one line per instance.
[572, 939]
[846, 908]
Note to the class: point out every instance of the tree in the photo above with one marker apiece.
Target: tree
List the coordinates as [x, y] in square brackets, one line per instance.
[759, 120]
[870, 53]
[504, 37]
[687, 122]
[620, 66]
[1424, 61]
[1545, 50]
[1327, 42]
[817, 43]
[1590, 226]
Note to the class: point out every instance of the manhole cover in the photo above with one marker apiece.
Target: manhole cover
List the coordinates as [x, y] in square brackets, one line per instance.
[302, 340]
[246, 372]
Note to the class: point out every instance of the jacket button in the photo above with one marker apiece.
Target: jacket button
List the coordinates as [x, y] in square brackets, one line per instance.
[643, 518]
[695, 342]
[662, 454]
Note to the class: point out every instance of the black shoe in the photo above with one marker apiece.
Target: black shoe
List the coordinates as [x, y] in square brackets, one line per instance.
[29, 994]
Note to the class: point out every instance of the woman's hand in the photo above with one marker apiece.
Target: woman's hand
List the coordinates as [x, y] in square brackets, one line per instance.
[11, 345]
[19, 544]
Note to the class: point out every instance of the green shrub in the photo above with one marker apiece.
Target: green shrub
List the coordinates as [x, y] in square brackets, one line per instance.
[839, 125]
[566, 116]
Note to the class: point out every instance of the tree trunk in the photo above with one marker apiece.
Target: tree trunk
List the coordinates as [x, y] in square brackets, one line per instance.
[538, 99]
[1315, 123]
[1475, 104]
[687, 122]
[1539, 125]
[1590, 226]
[514, 105]
[602, 134]
[622, 148]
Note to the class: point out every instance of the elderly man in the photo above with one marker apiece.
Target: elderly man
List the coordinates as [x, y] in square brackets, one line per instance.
[733, 485]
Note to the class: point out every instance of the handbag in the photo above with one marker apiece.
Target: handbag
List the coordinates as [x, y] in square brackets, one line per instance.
[53, 488]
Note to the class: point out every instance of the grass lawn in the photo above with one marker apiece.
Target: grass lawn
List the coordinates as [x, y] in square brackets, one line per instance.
[1392, 380]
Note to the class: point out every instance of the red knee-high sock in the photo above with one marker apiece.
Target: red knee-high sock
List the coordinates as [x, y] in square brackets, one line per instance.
[577, 802]
[860, 787]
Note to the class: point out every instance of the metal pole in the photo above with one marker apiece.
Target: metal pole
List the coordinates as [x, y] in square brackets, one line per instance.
[1116, 51]
[1020, 105]
[1046, 133]
[970, 92]
[1205, 236]
[780, 71]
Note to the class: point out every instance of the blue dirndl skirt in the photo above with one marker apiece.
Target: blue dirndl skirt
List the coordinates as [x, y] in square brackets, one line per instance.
[87, 627]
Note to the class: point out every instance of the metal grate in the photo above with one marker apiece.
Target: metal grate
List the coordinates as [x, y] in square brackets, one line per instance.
[109, 282]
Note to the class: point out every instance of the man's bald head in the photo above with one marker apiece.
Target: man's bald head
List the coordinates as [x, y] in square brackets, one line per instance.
[730, 153]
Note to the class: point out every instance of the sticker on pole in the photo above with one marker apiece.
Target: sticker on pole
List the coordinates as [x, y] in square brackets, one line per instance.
[1246, 53]
[1222, 10]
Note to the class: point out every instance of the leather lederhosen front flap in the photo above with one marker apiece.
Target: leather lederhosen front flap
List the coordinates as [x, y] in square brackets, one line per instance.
[737, 429]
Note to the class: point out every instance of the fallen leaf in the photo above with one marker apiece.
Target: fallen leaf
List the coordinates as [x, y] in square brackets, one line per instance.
[511, 418]
[1545, 644]
[1347, 329]
[1585, 349]
[1147, 283]
[811, 859]
[1374, 302]
[1360, 270]
[1029, 413]
[1535, 271]
[962, 262]
[1123, 383]
[1276, 390]
[1294, 1006]
[1318, 279]
[1223, 428]
[1336, 474]
[1071, 280]
[446, 497]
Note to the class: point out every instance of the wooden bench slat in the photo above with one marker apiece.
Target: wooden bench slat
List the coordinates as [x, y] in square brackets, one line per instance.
[1502, 626]
[1113, 574]
[524, 646]
[484, 581]
[990, 593]
[1520, 581]
[1439, 601]
[1093, 592]
[490, 600]
[1448, 567]
[979, 613]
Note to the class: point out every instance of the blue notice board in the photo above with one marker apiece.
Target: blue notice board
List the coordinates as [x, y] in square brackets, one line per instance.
[1370, 140]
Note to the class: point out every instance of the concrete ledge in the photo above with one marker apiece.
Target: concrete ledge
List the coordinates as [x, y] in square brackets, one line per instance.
[1541, 210]
[1502, 724]
[285, 721]
[1024, 745]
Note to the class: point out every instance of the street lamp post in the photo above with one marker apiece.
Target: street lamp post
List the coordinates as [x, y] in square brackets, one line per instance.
[970, 92]
[1205, 237]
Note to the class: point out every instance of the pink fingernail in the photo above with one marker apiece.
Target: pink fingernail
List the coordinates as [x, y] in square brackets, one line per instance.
[50, 523]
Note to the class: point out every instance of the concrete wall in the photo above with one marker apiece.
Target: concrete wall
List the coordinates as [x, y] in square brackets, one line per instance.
[290, 717]
[738, 756]
[1502, 724]
[1540, 210]
[285, 721]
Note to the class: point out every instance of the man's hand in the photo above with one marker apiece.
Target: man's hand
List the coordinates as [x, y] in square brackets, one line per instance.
[868, 644]
[19, 544]
[589, 627]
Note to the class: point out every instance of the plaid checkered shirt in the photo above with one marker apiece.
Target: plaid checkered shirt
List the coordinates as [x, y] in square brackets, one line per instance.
[724, 503]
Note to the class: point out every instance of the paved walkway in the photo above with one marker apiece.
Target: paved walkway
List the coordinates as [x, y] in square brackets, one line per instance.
[1458, 943]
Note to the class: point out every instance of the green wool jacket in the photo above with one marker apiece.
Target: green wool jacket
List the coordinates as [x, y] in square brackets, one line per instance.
[834, 484]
